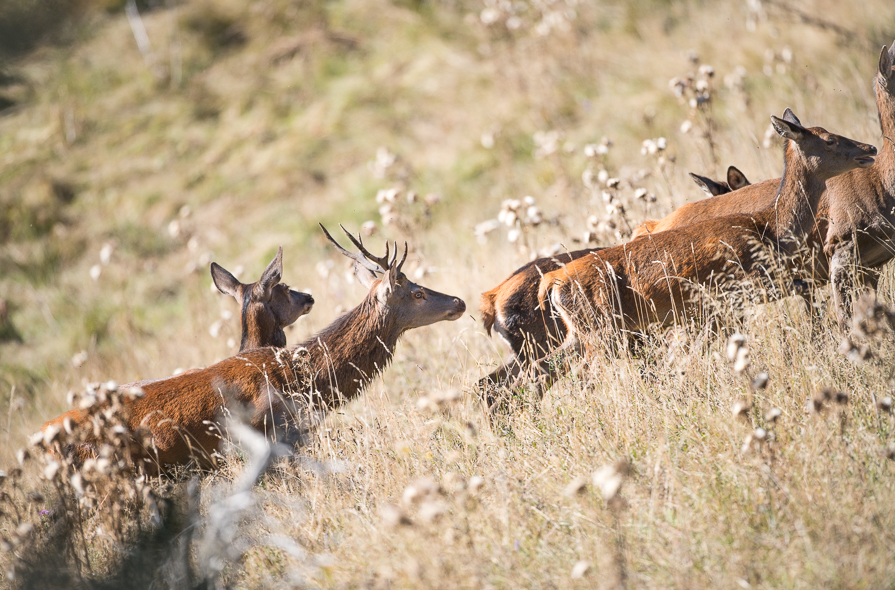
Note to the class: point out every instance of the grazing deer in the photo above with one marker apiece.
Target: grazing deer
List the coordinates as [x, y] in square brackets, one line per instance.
[653, 279]
[855, 218]
[512, 309]
[334, 366]
[266, 306]
[735, 181]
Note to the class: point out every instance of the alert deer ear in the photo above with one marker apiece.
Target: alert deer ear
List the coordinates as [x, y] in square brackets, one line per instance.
[709, 186]
[788, 129]
[790, 117]
[271, 277]
[364, 275]
[383, 290]
[736, 179]
[886, 61]
[224, 281]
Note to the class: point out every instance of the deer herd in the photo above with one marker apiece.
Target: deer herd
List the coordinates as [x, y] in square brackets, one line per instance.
[835, 200]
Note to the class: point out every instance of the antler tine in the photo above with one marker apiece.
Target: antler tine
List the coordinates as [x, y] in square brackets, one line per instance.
[336, 244]
[391, 262]
[403, 258]
[381, 261]
[357, 258]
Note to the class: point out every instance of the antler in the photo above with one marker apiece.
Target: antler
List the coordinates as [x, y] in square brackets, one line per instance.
[403, 258]
[375, 264]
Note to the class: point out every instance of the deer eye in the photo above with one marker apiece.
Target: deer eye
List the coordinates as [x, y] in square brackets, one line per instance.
[418, 294]
[830, 141]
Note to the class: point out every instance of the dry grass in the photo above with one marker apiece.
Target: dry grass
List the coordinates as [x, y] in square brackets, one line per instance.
[245, 126]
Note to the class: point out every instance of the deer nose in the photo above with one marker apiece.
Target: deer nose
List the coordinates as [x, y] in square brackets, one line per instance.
[460, 304]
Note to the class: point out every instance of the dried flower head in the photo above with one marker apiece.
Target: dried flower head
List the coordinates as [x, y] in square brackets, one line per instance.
[609, 478]
[741, 408]
[580, 570]
[575, 487]
[760, 381]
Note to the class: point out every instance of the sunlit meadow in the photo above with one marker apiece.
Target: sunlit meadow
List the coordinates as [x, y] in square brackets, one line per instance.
[140, 141]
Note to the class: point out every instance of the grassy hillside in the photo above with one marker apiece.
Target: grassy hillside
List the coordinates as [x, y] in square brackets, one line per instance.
[130, 160]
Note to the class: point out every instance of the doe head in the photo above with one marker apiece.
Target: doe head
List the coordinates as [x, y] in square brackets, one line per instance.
[826, 154]
[266, 306]
[408, 304]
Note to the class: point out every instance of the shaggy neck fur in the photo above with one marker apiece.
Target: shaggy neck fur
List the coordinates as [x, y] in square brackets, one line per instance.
[885, 161]
[354, 349]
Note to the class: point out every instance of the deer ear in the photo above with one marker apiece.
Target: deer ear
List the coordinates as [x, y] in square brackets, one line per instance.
[790, 117]
[886, 59]
[788, 129]
[364, 275]
[271, 277]
[736, 179]
[224, 281]
[383, 290]
[709, 186]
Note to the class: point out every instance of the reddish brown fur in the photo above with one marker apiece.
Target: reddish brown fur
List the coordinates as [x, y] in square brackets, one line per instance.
[650, 279]
[511, 309]
[855, 217]
[319, 374]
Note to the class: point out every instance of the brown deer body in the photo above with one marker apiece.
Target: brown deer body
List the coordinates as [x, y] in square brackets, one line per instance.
[318, 374]
[652, 279]
[511, 308]
[855, 218]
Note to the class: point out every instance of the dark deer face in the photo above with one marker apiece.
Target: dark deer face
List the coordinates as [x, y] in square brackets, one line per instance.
[826, 154]
[416, 306]
[409, 305]
[266, 306]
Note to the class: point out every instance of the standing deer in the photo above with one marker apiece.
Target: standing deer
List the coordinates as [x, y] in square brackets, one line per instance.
[511, 308]
[326, 370]
[855, 218]
[653, 279]
[266, 306]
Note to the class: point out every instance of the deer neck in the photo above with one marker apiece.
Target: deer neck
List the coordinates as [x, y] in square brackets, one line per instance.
[793, 213]
[352, 351]
[253, 339]
[885, 161]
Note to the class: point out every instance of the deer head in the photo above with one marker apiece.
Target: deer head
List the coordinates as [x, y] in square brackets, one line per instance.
[825, 154]
[267, 306]
[409, 304]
